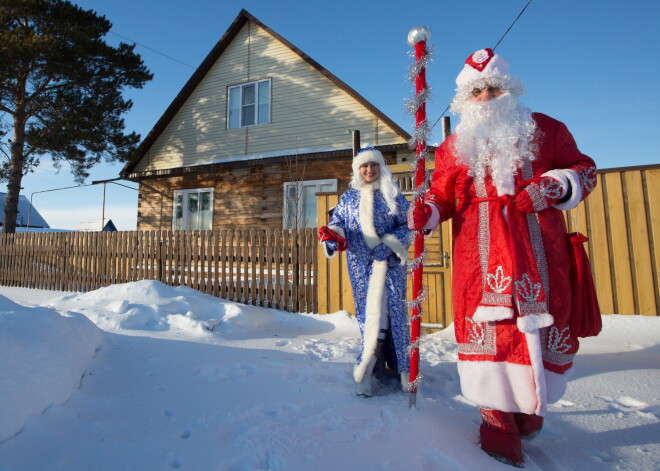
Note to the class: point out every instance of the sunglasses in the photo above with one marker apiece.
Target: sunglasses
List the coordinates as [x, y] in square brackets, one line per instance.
[492, 89]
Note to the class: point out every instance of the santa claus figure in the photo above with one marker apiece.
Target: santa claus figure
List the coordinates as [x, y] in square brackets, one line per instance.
[503, 177]
[369, 222]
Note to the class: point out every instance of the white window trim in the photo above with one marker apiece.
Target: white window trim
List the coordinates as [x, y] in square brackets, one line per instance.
[300, 195]
[240, 115]
[185, 193]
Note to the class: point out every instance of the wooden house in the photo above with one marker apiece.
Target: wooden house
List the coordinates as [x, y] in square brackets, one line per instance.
[255, 133]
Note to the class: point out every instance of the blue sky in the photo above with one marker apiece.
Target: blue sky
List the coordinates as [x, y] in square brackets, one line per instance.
[591, 64]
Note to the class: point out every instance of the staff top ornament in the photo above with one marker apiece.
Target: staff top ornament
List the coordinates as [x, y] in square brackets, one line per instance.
[418, 34]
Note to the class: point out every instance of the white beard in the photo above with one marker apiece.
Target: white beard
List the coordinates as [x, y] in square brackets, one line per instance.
[493, 138]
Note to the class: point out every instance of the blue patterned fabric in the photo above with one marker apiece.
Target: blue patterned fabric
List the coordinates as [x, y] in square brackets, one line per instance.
[360, 258]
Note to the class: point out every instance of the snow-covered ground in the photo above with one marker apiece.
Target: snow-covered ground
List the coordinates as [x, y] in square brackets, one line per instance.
[144, 376]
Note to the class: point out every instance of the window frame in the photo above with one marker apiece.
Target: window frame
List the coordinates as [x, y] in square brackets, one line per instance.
[300, 199]
[256, 104]
[185, 210]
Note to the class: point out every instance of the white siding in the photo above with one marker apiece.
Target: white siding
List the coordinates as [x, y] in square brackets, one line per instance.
[308, 111]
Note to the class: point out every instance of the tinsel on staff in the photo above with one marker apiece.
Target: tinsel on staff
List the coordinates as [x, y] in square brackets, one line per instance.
[417, 38]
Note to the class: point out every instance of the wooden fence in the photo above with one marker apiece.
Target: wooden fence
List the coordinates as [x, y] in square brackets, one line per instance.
[282, 269]
[263, 267]
[622, 220]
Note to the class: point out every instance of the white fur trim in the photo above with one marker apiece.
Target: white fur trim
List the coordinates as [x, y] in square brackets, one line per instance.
[492, 313]
[536, 360]
[497, 67]
[327, 252]
[505, 185]
[366, 216]
[434, 220]
[576, 189]
[397, 247]
[505, 386]
[534, 322]
[367, 156]
[337, 230]
[499, 385]
[372, 316]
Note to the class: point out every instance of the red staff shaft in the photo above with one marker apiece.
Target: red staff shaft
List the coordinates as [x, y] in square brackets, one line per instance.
[418, 270]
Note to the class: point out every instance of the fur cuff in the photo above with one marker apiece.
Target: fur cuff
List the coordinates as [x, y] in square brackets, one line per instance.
[397, 247]
[332, 254]
[434, 220]
[328, 253]
[492, 313]
[338, 230]
[534, 322]
[564, 175]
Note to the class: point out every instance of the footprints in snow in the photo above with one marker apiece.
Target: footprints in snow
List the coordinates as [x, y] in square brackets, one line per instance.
[222, 373]
[174, 461]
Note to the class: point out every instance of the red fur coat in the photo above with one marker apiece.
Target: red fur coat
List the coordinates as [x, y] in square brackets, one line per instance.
[515, 355]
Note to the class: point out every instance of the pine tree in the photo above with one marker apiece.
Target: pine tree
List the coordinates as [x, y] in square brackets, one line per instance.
[61, 90]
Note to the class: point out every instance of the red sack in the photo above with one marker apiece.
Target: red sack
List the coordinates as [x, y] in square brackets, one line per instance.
[585, 312]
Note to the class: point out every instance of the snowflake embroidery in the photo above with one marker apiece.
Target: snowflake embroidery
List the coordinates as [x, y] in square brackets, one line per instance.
[498, 283]
[480, 56]
[558, 341]
[527, 290]
[476, 332]
[551, 188]
[588, 177]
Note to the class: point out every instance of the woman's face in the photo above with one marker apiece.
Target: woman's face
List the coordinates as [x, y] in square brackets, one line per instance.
[369, 172]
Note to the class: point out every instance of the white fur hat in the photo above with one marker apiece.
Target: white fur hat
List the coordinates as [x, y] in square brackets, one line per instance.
[367, 154]
[482, 64]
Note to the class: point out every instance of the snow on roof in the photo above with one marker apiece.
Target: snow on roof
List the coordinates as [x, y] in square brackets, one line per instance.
[97, 225]
[24, 213]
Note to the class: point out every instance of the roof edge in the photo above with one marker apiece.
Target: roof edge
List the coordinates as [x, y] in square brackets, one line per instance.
[178, 171]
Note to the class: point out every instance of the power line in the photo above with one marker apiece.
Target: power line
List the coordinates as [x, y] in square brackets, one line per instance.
[305, 113]
[514, 22]
[153, 50]
[498, 43]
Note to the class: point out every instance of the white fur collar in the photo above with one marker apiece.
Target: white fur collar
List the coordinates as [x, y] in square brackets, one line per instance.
[367, 215]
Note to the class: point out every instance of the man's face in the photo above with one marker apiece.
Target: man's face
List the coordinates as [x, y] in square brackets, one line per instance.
[370, 171]
[485, 93]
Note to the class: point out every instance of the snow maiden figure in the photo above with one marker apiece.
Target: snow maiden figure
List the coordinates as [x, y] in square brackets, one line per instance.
[369, 222]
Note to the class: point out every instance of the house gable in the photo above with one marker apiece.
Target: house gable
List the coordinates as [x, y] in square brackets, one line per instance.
[311, 110]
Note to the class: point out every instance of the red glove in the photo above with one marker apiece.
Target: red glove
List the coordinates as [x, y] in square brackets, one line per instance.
[418, 216]
[538, 194]
[328, 235]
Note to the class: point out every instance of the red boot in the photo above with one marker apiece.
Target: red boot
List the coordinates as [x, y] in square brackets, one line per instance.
[500, 437]
[529, 425]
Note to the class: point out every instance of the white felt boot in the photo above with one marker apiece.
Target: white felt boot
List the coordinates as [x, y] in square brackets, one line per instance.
[405, 384]
[365, 387]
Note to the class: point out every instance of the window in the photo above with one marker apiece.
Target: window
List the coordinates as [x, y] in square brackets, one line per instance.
[249, 104]
[300, 202]
[193, 209]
